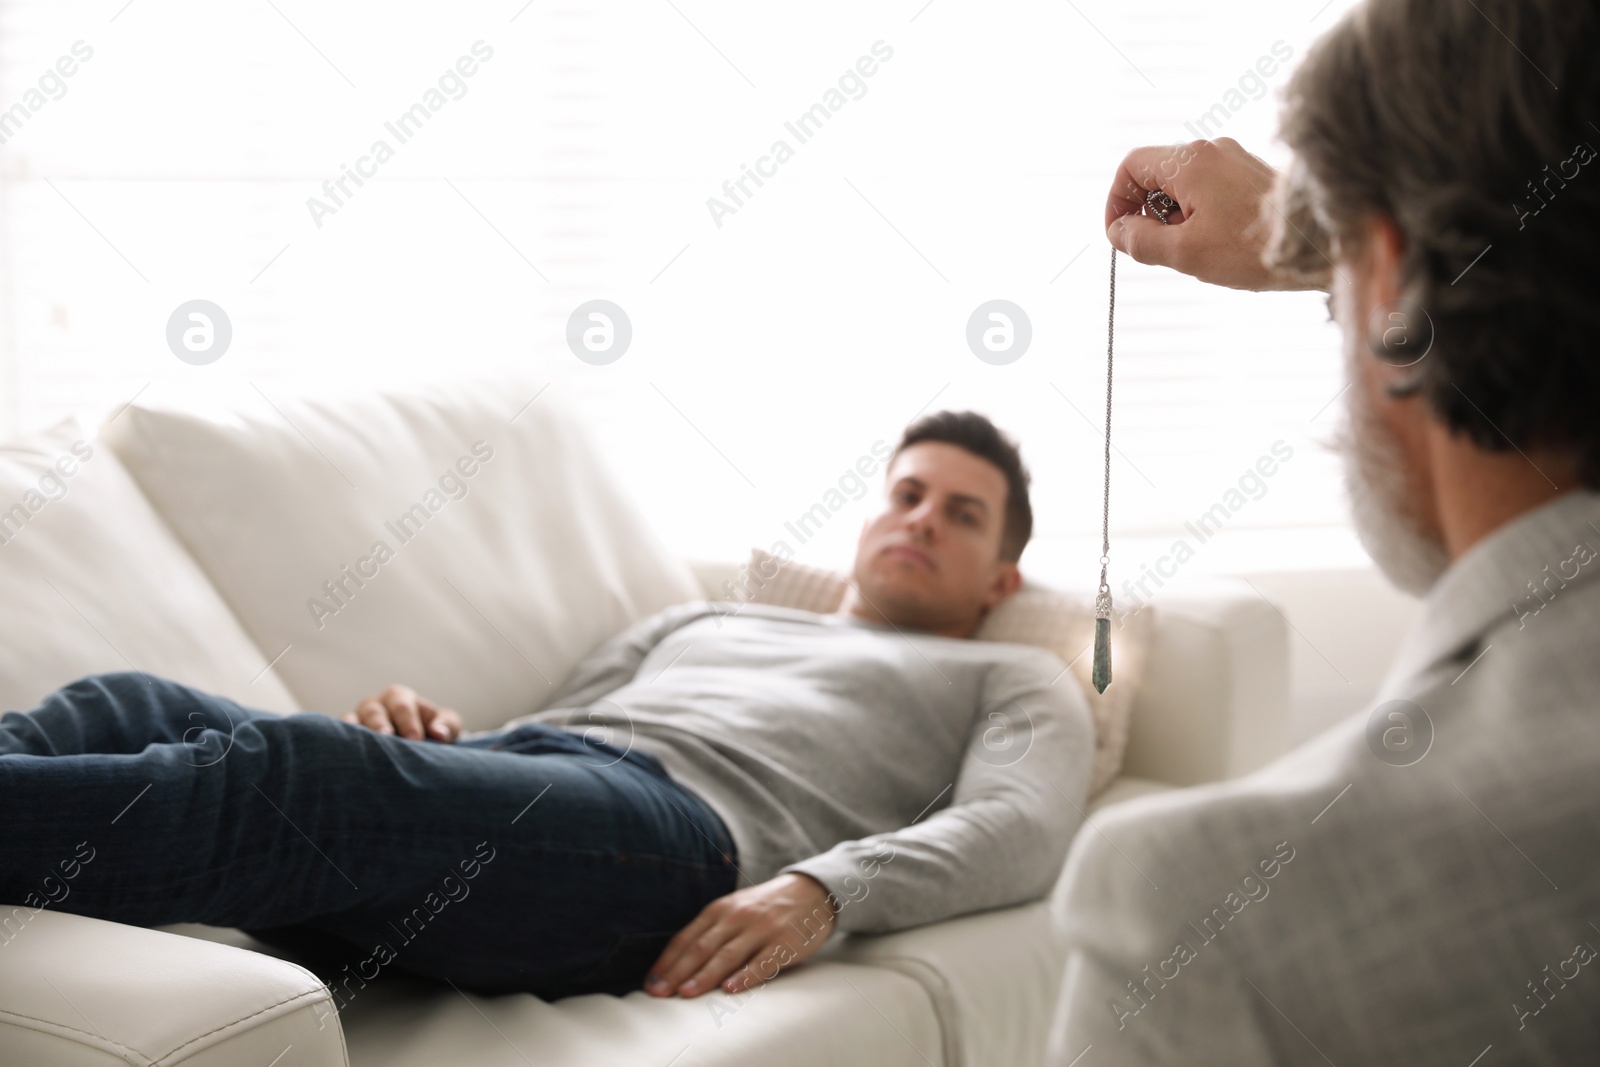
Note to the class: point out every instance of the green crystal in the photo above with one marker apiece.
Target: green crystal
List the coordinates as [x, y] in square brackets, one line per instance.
[1102, 655]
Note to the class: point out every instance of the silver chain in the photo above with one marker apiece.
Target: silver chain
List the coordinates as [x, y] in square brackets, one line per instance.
[1159, 205]
[1105, 511]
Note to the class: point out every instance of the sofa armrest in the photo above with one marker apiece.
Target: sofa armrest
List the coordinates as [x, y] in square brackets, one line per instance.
[81, 991]
[1214, 700]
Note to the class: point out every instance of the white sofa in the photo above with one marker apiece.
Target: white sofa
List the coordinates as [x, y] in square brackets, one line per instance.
[191, 544]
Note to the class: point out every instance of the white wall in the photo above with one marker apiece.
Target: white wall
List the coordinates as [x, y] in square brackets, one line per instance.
[1347, 624]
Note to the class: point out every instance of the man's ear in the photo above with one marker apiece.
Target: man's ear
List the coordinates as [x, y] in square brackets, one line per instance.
[1387, 318]
[1007, 580]
[1387, 371]
[1385, 246]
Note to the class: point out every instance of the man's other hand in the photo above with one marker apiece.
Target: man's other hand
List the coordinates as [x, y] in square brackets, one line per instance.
[1220, 229]
[399, 710]
[745, 938]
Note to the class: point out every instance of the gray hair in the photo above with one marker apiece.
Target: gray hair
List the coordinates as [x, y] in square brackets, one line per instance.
[1445, 116]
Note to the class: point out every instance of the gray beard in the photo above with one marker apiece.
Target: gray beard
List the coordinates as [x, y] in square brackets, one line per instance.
[1381, 497]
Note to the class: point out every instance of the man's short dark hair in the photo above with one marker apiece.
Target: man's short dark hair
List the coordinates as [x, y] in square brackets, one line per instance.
[976, 434]
[1446, 118]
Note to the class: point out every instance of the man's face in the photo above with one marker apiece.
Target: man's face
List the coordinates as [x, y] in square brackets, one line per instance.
[930, 558]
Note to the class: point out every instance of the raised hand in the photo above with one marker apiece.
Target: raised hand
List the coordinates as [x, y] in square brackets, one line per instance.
[1221, 227]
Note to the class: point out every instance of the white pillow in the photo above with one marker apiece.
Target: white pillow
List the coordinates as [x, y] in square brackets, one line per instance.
[94, 581]
[1056, 620]
[508, 550]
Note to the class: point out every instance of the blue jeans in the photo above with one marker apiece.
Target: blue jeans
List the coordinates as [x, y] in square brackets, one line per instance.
[526, 860]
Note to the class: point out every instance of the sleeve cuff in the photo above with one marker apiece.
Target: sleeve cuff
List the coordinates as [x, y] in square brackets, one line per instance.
[849, 914]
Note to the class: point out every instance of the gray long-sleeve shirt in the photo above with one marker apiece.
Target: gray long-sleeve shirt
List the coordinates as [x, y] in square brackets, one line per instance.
[917, 777]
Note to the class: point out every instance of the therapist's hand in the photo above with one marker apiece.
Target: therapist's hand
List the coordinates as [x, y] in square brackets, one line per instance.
[743, 939]
[1220, 230]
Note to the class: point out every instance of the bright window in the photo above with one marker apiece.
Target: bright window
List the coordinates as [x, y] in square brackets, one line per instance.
[936, 156]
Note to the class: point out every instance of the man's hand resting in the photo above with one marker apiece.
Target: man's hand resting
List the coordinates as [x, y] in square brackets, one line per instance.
[1219, 232]
[743, 939]
[399, 710]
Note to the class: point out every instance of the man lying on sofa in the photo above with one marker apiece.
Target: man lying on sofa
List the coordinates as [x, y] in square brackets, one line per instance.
[1419, 885]
[772, 775]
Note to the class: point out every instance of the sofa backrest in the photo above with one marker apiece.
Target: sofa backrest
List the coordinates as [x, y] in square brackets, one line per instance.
[458, 538]
[92, 580]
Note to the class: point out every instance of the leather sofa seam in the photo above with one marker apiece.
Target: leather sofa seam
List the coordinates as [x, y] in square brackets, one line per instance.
[99, 1039]
[166, 1057]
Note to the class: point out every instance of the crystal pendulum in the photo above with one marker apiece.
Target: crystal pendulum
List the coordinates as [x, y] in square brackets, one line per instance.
[1101, 675]
[1160, 205]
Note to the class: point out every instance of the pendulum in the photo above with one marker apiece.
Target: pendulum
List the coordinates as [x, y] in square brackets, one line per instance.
[1101, 674]
[1160, 205]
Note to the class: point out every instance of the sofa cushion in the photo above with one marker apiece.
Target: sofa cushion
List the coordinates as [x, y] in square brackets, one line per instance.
[94, 581]
[458, 539]
[819, 1012]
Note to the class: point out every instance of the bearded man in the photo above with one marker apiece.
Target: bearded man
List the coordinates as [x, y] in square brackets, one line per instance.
[1419, 885]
